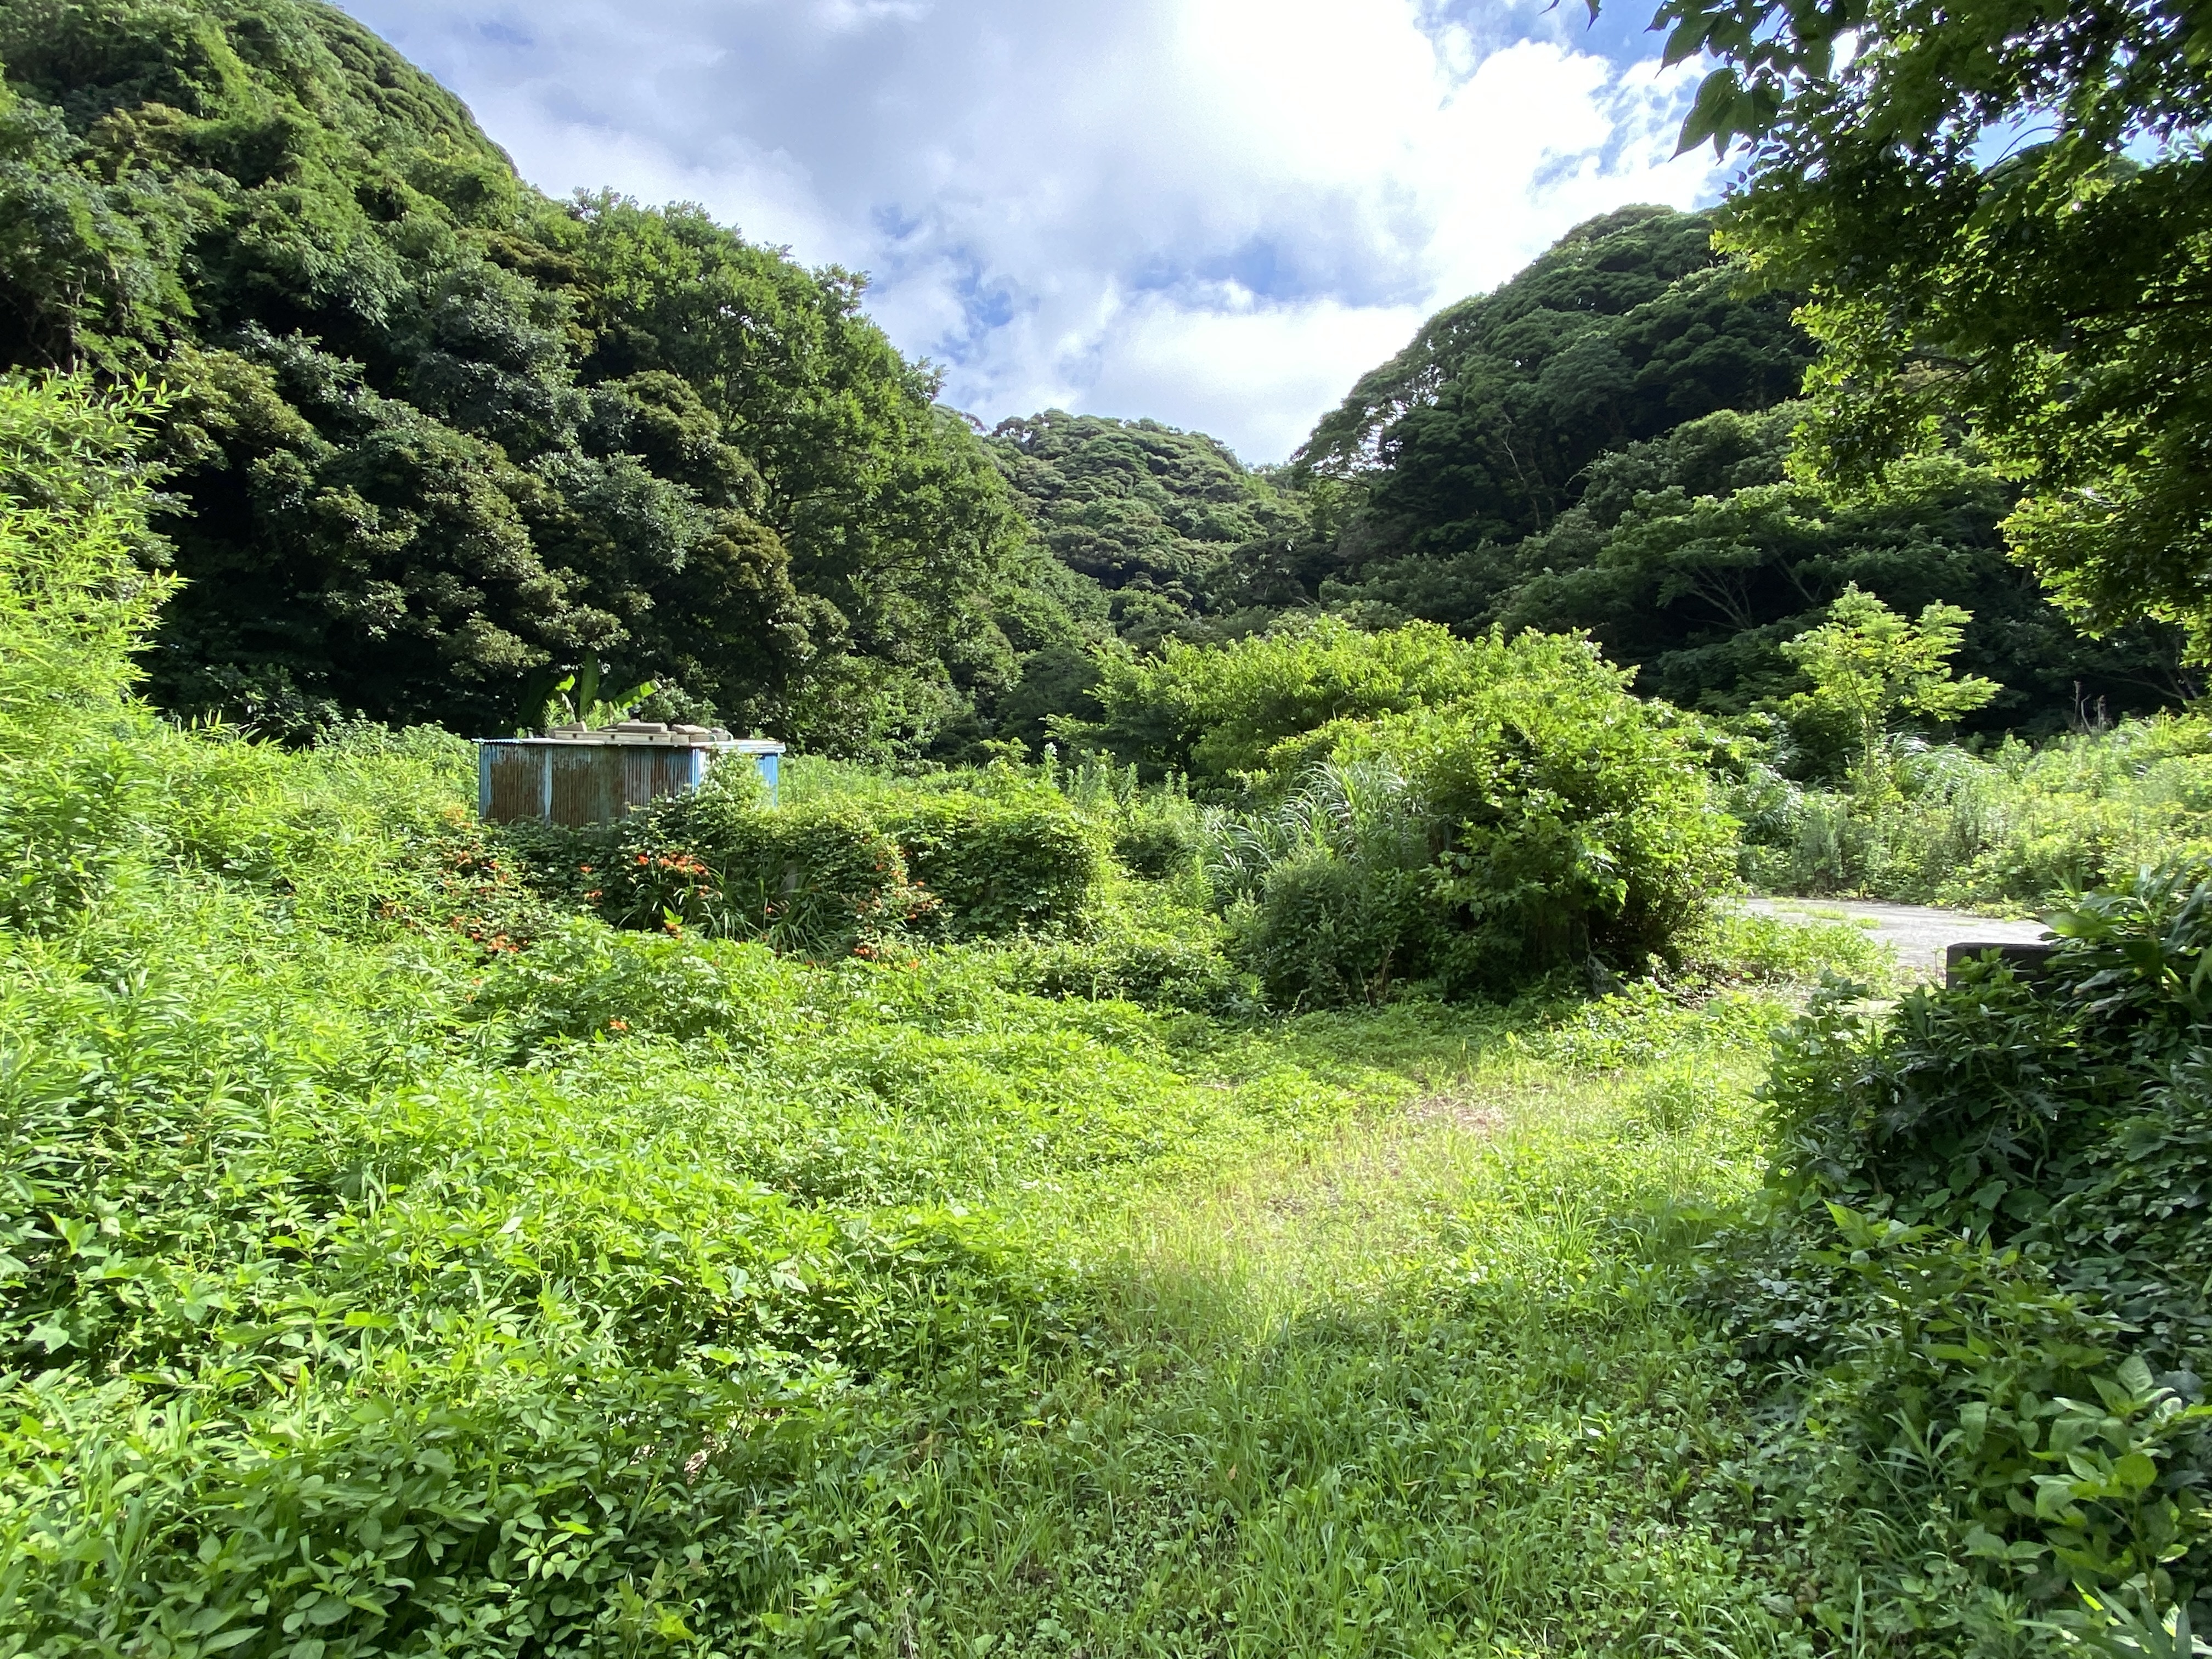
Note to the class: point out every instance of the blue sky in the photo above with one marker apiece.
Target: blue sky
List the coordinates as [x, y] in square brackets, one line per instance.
[1217, 213]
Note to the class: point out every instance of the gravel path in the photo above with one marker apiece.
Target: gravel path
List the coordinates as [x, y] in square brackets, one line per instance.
[1916, 933]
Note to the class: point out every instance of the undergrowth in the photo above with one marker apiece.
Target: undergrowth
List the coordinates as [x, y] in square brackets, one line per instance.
[2017, 829]
[414, 1240]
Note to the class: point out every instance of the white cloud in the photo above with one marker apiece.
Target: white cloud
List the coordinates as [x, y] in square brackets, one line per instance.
[1215, 212]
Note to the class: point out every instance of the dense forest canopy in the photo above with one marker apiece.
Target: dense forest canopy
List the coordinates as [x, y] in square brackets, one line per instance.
[1155, 516]
[2001, 214]
[1602, 443]
[1630, 325]
[436, 438]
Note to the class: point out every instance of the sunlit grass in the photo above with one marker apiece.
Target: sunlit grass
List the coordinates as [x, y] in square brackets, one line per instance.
[902, 1310]
[1419, 1383]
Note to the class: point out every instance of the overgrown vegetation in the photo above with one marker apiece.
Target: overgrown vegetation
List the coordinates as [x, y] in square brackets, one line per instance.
[1980, 1289]
[2014, 827]
[1325, 1169]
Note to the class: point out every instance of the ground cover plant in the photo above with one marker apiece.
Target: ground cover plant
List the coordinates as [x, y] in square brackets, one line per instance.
[1978, 1287]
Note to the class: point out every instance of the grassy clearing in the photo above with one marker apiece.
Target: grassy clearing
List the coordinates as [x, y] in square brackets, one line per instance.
[1422, 1384]
[375, 1292]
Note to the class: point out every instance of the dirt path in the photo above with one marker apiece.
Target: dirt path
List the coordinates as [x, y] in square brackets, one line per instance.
[1918, 935]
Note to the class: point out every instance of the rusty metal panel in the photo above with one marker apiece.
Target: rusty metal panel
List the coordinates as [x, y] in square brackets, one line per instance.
[666, 772]
[641, 769]
[513, 783]
[587, 784]
[573, 782]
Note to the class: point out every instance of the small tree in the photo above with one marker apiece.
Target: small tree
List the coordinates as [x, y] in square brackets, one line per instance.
[1868, 665]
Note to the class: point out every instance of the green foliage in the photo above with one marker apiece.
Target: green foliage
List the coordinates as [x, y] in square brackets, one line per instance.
[2014, 827]
[467, 1346]
[75, 599]
[1059, 680]
[1142, 945]
[998, 863]
[1161, 837]
[1265, 705]
[822, 881]
[835, 873]
[1868, 665]
[1692, 556]
[583, 980]
[1575, 821]
[1155, 516]
[1536, 817]
[1479, 431]
[437, 439]
[1325, 931]
[390, 1263]
[1986, 1271]
[1543, 457]
[2049, 300]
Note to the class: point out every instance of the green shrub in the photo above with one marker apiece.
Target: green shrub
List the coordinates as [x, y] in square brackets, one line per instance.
[1985, 1280]
[1180, 965]
[841, 872]
[1768, 950]
[1247, 711]
[70, 819]
[583, 980]
[1159, 838]
[820, 881]
[1569, 821]
[1326, 931]
[1964, 1393]
[76, 593]
[2066, 1115]
[332, 1326]
[995, 865]
[1547, 821]
[2017, 828]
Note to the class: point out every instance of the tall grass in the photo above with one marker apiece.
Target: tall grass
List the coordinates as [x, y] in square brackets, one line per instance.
[2014, 829]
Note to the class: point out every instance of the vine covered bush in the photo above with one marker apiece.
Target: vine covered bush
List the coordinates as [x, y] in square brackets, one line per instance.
[822, 879]
[1984, 1283]
[833, 875]
[995, 865]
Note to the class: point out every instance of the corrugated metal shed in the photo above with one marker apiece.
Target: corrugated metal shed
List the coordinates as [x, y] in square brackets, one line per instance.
[573, 776]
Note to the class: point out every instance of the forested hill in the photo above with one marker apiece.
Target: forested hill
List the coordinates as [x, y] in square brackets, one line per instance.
[1630, 325]
[437, 438]
[1600, 443]
[434, 440]
[1155, 516]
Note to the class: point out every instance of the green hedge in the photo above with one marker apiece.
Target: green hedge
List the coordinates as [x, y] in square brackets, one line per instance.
[821, 880]
[994, 865]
